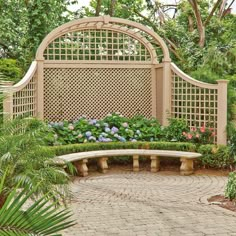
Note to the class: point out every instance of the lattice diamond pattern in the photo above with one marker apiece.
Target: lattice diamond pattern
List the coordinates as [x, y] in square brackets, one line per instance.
[195, 104]
[70, 93]
[97, 44]
[24, 101]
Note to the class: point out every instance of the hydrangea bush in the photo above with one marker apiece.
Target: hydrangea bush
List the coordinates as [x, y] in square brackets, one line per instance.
[115, 128]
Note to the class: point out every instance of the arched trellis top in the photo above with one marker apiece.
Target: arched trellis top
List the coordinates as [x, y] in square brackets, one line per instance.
[103, 38]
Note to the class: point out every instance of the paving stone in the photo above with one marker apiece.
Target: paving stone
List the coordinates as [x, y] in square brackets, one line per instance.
[147, 204]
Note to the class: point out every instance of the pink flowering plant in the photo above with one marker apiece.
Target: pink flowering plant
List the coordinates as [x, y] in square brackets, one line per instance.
[202, 135]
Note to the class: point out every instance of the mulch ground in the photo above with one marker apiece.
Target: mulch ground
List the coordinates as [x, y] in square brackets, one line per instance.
[222, 201]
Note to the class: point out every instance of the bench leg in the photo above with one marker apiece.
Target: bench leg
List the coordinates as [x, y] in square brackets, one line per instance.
[102, 165]
[186, 167]
[135, 163]
[155, 163]
[81, 167]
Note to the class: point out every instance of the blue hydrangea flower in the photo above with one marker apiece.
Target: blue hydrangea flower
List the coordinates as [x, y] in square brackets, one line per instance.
[122, 139]
[93, 122]
[104, 134]
[92, 138]
[107, 130]
[114, 129]
[88, 133]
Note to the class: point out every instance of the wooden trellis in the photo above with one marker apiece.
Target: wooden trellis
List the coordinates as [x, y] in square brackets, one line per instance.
[98, 65]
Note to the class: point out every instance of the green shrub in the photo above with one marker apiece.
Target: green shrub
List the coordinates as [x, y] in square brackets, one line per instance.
[26, 160]
[10, 70]
[216, 156]
[230, 190]
[174, 131]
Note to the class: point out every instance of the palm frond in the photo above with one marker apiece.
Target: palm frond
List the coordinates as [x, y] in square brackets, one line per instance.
[41, 218]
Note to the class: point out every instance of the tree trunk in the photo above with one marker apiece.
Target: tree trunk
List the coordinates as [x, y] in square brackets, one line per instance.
[98, 7]
[200, 26]
[190, 24]
[222, 8]
[212, 12]
[112, 8]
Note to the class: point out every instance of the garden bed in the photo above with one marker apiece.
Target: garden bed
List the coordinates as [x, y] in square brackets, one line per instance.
[223, 202]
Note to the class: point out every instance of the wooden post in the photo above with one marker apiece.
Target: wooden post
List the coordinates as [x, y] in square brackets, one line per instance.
[7, 100]
[40, 89]
[166, 83]
[222, 112]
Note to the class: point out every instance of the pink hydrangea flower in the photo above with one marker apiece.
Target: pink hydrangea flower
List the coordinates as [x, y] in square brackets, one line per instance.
[71, 127]
[125, 124]
[189, 136]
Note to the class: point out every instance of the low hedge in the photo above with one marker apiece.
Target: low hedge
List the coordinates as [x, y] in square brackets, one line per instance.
[73, 148]
[216, 156]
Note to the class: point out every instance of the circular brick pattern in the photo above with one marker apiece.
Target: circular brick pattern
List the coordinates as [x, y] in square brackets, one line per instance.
[148, 204]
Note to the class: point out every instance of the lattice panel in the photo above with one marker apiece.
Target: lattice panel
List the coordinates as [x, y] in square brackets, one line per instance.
[24, 101]
[97, 44]
[70, 93]
[195, 104]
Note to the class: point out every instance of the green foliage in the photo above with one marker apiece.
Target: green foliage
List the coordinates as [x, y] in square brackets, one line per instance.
[114, 127]
[10, 70]
[230, 190]
[174, 131]
[23, 25]
[73, 148]
[25, 160]
[216, 156]
[40, 218]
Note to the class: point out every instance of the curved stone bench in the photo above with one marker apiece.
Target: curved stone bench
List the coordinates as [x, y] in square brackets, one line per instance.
[80, 159]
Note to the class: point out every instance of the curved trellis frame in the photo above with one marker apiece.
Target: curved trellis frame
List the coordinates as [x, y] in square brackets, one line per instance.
[94, 66]
[133, 29]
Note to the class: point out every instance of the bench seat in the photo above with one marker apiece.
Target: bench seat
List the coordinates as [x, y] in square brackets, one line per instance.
[80, 159]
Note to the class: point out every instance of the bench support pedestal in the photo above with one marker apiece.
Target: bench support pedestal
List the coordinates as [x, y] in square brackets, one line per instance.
[102, 165]
[135, 163]
[155, 163]
[81, 167]
[186, 167]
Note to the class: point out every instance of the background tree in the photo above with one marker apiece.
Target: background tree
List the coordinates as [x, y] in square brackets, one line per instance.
[23, 25]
